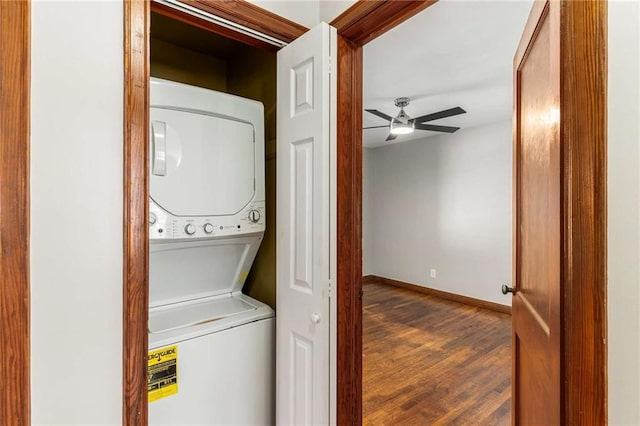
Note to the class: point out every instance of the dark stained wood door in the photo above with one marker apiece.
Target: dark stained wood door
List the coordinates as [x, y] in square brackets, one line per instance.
[537, 185]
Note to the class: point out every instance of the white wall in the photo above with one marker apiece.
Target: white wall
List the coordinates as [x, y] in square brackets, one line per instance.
[624, 214]
[330, 9]
[367, 213]
[444, 202]
[76, 212]
[306, 12]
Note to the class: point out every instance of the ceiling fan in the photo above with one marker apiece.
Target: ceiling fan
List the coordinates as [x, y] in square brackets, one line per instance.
[402, 124]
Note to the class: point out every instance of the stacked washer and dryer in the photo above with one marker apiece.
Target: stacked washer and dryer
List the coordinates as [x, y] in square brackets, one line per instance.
[206, 222]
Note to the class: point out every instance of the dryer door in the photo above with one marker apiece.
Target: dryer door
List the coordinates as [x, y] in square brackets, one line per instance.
[201, 164]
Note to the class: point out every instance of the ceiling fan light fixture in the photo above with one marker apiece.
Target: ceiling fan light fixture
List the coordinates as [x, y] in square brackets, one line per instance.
[401, 129]
[402, 124]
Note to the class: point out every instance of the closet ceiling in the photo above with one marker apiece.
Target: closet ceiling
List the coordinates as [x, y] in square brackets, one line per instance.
[193, 38]
[453, 53]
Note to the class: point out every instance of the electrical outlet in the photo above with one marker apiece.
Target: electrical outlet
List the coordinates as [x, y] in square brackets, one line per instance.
[433, 273]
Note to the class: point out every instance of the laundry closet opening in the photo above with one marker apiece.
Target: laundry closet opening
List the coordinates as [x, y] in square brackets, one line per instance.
[212, 248]
[186, 54]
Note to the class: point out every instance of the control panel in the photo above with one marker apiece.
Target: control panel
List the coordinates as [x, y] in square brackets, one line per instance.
[165, 226]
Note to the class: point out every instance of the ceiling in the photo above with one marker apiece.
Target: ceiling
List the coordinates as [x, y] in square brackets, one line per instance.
[454, 53]
[194, 38]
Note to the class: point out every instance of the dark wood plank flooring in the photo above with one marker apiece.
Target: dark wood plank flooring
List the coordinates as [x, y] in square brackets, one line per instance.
[428, 361]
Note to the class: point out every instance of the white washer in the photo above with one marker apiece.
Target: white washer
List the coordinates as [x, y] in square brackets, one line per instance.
[206, 222]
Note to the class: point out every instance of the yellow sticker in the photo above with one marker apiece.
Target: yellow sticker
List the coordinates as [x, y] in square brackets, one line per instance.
[162, 370]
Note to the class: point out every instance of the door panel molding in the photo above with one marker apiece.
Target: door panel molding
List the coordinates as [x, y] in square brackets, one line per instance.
[15, 86]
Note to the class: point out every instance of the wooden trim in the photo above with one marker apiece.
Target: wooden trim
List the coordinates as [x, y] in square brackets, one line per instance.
[15, 86]
[471, 301]
[349, 232]
[368, 279]
[537, 9]
[366, 20]
[251, 16]
[583, 102]
[136, 196]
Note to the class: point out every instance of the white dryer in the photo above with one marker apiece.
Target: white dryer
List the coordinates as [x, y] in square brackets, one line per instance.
[207, 219]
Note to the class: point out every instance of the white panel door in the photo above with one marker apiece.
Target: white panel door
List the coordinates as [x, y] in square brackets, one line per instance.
[305, 228]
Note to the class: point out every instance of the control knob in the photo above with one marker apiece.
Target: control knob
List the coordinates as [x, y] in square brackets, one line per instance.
[208, 228]
[254, 216]
[190, 229]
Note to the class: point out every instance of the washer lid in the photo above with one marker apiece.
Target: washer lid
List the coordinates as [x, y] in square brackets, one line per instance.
[190, 270]
[196, 313]
[169, 325]
[202, 164]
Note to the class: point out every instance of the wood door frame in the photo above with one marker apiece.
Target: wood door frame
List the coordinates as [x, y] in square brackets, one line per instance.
[583, 138]
[15, 86]
[584, 395]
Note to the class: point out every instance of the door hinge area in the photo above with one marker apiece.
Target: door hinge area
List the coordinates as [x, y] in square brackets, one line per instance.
[330, 65]
[330, 290]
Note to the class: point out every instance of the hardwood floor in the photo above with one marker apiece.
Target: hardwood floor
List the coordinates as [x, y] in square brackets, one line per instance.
[429, 361]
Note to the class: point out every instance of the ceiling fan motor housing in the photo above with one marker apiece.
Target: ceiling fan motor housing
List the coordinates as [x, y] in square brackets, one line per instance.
[402, 117]
[402, 102]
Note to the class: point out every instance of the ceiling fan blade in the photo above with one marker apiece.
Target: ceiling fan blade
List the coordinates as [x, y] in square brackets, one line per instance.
[379, 114]
[375, 127]
[440, 114]
[390, 137]
[434, 128]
